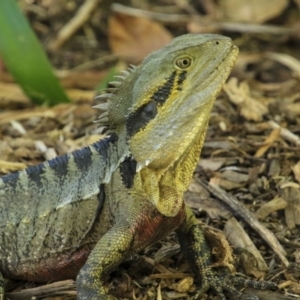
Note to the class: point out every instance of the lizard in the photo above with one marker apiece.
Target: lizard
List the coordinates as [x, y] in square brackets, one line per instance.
[83, 213]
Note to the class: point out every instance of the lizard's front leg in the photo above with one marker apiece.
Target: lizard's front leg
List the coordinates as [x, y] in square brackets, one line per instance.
[108, 253]
[197, 251]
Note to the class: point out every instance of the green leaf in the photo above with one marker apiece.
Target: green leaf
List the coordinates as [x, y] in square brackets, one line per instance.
[25, 58]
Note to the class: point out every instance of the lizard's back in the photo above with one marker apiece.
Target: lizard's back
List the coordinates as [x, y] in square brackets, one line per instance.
[48, 210]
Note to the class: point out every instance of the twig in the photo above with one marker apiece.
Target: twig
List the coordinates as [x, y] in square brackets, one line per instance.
[161, 17]
[66, 287]
[253, 28]
[99, 62]
[289, 243]
[285, 133]
[207, 23]
[239, 210]
[286, 60]
[83, 14]
[267, 295]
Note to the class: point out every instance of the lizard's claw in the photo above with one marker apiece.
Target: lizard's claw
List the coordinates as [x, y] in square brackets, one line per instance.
[213, 280]
[220, 281]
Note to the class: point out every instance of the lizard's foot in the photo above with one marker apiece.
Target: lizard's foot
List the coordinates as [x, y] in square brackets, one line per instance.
[220, 281]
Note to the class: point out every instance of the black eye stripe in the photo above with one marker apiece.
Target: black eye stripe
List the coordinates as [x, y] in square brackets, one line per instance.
[181, 79]
[139, 118]
[163, 92]
[144, 114]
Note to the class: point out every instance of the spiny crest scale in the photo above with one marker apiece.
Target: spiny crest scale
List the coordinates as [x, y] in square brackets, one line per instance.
[103, 119]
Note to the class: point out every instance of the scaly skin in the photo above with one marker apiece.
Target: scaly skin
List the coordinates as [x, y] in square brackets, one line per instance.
[126, 193]
[164, 149]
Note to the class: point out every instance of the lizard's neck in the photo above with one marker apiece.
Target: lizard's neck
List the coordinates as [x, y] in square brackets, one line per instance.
[165, 188]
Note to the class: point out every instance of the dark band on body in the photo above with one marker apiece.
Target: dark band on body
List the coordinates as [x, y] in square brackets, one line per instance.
[128, 171]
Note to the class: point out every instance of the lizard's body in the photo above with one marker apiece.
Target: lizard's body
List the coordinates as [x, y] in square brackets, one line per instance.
[125, 192]
[40, 229]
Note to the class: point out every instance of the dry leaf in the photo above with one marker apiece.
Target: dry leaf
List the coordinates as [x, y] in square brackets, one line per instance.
[43, 112]
[251, 108]
[291, 110]
[134, 38]
[275, 204]
[11, 92]
[285, 133]
[230, 180]
[220, 248]
[159, 295]
[290, 192]
[296, 170]
[254, 11]
[214, 209]
[287, 60]
[198, 198]
[183, 285]
[213, 164]
[7, 166]
[195, 187]
[228, 184]
[251, 259]
[295, 287]
[235, 176]
[269, 141]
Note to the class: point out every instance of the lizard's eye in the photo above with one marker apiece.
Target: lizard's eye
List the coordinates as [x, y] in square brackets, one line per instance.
[149, 111]
[138, 119]
[183, 62]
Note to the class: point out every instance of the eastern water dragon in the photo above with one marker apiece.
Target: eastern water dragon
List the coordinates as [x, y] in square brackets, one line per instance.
[83, 213]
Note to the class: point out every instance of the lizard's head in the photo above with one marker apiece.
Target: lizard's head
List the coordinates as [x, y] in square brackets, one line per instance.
[161, 108]
[164, 104]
